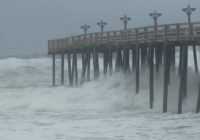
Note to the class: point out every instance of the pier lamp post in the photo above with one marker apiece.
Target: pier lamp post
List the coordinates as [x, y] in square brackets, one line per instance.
[155, 17]
[101, 24]
[85, 28]
[189, 11]
[85, 57]
[125, 20]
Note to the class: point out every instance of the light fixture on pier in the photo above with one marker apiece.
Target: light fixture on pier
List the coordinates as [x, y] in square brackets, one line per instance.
[155, 15]
[85, 27]
[101, 24]
[189, 11]
[125, 20]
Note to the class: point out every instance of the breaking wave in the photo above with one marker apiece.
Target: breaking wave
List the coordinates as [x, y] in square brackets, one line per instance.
[26, 85]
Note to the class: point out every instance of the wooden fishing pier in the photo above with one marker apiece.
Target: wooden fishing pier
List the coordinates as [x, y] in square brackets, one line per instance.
[151, 45]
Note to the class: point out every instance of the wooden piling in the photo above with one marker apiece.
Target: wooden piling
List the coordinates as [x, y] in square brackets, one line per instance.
[95, 63]
[126, 59]
[143, 56]
[157, 56]
[183, 78]
[88, 65]
[137, 70]
[110, 62]
[119, 61]
[83, 60]
[133, 58]
[75, 68]
[198, 100]
[185, 72]
[181, 82]
[151, 74]
[180, 59]
[69, 70]
[195, 59]
[83, 68]
[166, 75]
[169, 62]
[53, 70]
[72, 71]
[62, 69]
[105, 62]
[161, 52]
[173, 57]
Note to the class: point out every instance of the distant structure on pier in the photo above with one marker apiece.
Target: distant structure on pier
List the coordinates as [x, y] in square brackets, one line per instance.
[145, 43]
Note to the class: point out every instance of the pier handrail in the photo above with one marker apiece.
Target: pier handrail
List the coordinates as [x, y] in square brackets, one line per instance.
[175, 32]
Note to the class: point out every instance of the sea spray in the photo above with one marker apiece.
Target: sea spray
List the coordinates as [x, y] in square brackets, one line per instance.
[104, 109]
[113, 93]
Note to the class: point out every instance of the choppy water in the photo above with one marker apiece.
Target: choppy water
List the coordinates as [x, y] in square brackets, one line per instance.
[107, 109]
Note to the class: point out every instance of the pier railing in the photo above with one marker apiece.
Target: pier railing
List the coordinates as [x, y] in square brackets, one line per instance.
[167, 32]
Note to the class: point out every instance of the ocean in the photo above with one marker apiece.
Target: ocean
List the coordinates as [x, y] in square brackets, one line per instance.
[106, 109]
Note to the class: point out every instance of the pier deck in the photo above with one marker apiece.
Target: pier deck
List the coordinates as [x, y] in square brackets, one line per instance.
[172, 33]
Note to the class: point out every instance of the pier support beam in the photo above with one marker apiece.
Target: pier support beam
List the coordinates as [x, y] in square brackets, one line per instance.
[198, 100]
[169, 61]
[173, 57]
[195, 59]
[85, 63]
[62, 68]
[167, 51]
[83, 68]
[133, 58]
[126, 59]
[161, 55]
[180, 58]
[70, 70]
[110, 62]
[183, 78]
[151, 75]
[53, 71]
[143, 56]
[88, 65]
[185, 63]
[96, 63]
[119, 61]
[75, 68]
[105, 62]
[157, 56]
[137, 70]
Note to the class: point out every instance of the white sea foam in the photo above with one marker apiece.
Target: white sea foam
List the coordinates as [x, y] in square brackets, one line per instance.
[105, 109]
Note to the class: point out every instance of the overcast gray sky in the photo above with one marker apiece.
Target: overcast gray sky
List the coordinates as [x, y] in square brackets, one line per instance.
[26, 25]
